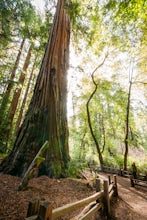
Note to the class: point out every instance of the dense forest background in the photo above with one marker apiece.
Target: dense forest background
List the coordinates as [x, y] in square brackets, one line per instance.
[107, 80]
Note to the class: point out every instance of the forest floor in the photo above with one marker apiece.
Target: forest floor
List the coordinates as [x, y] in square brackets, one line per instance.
[131, 204]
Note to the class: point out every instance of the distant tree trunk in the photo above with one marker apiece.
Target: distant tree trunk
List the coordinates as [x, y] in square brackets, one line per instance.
[18, 90]
[46, 118]
[4, 122]
[10, 84]
[19, 119]
[102, 129]
[127, 128]
[82, 147]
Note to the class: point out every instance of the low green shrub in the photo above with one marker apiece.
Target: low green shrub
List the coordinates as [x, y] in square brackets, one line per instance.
[74, 168]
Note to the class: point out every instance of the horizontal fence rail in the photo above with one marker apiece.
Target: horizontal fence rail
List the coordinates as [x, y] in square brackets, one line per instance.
[141, 179]
[138, 182]
[118, 171]
[92, 204]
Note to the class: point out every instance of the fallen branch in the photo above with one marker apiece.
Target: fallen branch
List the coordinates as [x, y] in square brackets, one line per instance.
[33, 167]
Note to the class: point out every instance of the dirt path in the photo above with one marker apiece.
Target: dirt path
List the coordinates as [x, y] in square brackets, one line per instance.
[132, 201]
[130, 205]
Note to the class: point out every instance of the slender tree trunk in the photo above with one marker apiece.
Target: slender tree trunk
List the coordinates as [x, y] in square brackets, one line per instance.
[127, 128]
[82, 147]
[91, 129]
[10, 85]
[111, 121]
[46, 118]
[24, 99]
[103, 133]
[18, 90]
[88, 114]
[4, 122]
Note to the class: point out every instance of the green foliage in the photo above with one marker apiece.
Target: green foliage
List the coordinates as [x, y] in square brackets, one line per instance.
[74, 168]
[143, 167]
[110, 161]
[126, 19]
[119, 160]
[3, 155]
[56, 169]
[86, 22]
[4, 125]
[108, 104]
[74, 10]
[12, 14]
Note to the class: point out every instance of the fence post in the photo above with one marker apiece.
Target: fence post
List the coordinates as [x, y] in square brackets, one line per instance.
[115, 185]
[109, 179]
[98, 183]
[106, 199]
[98, 187]
[33, 207]
[131, 180]
[45, 211]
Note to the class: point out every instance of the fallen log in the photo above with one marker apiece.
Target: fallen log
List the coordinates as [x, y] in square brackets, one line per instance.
[89, 177]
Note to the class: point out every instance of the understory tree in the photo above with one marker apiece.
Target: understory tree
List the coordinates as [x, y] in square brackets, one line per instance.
[96, 141]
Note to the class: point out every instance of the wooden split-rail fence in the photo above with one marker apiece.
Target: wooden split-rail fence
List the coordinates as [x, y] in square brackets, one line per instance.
[113, 170]
[100, 201]
[141, 179]
[138, 182]
[120, 172]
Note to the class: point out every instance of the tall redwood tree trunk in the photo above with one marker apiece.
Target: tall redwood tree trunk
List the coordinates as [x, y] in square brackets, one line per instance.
[46, 118]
